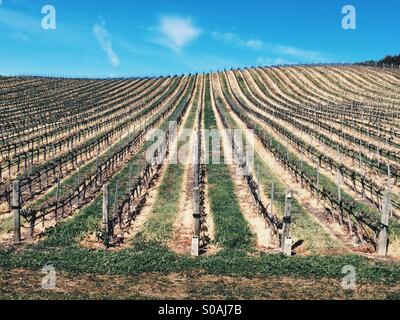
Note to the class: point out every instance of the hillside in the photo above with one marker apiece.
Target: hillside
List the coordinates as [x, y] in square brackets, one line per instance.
[85, 190]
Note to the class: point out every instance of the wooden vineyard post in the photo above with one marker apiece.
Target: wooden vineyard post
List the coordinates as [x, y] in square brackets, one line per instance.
[377, 156]
[301, 169]
[389, 186]
[196, 214]
[195, 246]
[29, 167]
[339, 195]
[97, 158]
[130, 179]
[285, 238]
[106, 209]
[79, 182]
[341, 127]
[16, 207]
[267, 224]
[197, 222]
[318, 179]
[116, 198]
[196, 199]
[383, 235]
[287, 250]
[57, 196]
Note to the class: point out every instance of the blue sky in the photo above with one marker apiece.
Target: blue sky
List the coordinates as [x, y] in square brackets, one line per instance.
[160, 37]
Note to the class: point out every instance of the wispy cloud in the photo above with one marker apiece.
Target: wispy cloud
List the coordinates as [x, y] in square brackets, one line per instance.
[254, 44]
[268, 61]
[177, 32]
[104, 39]
[235, 39]
[18, 36]
[225, 36]
[300, 53]
[284, 52]
[18, 20]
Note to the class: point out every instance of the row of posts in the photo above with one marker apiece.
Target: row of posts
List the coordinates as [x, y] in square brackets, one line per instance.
[196, 205]
[286, 240]
[383, 233]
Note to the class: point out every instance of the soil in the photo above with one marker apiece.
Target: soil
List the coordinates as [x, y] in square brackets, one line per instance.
[194, 285]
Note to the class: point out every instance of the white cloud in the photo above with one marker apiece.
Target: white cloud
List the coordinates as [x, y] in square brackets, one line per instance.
[267, 61]
[104, 39]
[301, 53]
[232, 38]
[225, 36]
[254, 44]
[18, 20]
[177, 32]
[292, 53]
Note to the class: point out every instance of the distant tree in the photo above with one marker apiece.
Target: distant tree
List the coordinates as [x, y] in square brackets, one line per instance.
[391, 60]
[388, 60]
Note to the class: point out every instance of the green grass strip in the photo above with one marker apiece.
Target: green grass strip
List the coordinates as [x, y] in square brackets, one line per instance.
[159, 226]
[231, 229]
